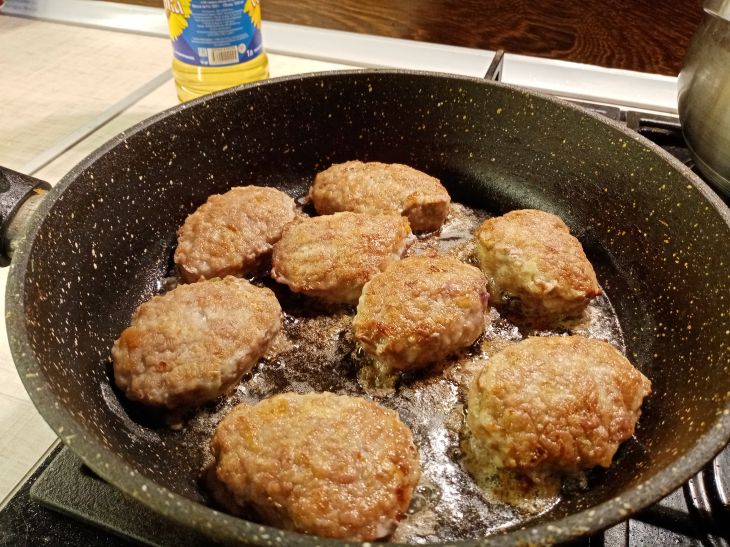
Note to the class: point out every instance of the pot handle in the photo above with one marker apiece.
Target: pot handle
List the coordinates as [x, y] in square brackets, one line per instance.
[20, 195]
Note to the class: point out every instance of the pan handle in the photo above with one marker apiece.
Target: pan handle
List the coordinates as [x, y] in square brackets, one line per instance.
[20, 195]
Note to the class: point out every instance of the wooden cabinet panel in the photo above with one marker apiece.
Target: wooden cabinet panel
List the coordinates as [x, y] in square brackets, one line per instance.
[643, 35]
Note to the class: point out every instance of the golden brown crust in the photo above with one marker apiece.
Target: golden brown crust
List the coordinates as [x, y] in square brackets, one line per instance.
[232, 233]
[323, 464]
[536, 269]
[555, 404]
[376, 187]
[195, 342]
[333, 256]
[420, 310]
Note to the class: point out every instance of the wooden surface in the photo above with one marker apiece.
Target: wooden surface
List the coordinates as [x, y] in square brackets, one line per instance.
[643, 35]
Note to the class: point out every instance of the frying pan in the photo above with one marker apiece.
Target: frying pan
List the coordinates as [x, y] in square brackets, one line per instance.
[101, 240]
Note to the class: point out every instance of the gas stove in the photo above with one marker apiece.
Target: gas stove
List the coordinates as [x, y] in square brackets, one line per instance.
[64, 503]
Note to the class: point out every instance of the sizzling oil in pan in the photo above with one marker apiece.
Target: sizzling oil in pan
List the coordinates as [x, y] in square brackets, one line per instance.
[316, 352]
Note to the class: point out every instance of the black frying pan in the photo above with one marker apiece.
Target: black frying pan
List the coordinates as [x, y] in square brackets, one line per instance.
[101, 241]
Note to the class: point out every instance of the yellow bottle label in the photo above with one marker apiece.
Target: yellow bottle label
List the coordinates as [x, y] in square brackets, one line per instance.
[212, 33]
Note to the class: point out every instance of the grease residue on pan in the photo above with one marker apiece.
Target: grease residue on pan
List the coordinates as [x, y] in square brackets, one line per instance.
[316, 352]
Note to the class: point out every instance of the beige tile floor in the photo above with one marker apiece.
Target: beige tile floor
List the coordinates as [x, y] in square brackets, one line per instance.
[45, 97]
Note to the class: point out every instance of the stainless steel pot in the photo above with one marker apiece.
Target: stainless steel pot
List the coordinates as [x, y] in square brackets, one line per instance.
[704, 95]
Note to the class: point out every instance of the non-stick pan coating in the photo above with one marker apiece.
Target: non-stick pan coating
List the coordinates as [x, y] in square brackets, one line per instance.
[659, 238]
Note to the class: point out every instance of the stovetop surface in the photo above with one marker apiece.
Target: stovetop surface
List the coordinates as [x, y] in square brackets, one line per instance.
[63, 503]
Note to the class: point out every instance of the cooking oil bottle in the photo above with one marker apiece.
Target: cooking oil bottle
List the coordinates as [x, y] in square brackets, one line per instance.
[216, 44]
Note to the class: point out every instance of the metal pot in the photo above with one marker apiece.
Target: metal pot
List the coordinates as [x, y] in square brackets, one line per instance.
[704, 95]
[100, 242]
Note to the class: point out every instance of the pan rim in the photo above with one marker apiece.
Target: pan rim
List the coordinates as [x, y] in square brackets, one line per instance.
[116, 471]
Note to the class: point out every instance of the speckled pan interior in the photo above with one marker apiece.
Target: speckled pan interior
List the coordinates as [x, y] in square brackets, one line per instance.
[660, 241]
